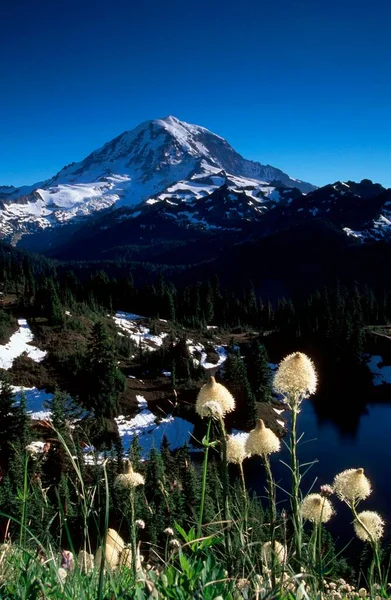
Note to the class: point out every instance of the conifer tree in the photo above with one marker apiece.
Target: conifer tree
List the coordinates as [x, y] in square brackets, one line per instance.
[12, 419]
[103, 379]
[236, 380]
[260, 374]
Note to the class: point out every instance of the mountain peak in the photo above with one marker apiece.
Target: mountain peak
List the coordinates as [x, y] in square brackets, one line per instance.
[138, 166]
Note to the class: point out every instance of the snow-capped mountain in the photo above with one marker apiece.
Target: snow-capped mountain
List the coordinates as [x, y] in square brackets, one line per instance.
[156, 161]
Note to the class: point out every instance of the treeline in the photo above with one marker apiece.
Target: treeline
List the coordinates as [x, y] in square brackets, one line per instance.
[330, 321]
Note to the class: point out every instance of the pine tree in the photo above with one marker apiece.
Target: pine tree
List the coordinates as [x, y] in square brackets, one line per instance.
[10, 420]
[236, 380]
[261, 374]
[104, 380]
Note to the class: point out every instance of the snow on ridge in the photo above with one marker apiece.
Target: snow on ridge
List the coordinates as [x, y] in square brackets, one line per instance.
[220, 350]
[127, 322]
[20, 343]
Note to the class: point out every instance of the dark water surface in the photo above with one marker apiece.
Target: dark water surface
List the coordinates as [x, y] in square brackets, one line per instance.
[353, 441]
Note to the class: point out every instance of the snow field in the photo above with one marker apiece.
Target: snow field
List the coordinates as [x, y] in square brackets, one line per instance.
[20, 343]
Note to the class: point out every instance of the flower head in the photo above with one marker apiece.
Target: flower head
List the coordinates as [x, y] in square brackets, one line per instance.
[369, 526]
[326, 490]
[267, 552]
[316, 508]
[262, 440]
[169, 531]
[352, 485]
[130, 479]
[67, 561]
[140, 523]
[214, 392]
[62, 573]
[296, 377]
[212, 410]
[111, 556]
[115, 540]
[236, 448]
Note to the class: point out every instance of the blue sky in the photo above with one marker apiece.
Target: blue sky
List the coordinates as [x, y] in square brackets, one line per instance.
[304, 85]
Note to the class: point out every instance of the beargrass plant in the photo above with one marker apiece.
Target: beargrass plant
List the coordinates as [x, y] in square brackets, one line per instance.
[237, 554]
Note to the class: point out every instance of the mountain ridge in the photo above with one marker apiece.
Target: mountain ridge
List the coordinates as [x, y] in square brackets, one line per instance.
[129, 169]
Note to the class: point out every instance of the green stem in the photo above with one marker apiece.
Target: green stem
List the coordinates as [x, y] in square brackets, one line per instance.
[24, 500]
[273, 515]
[245, 498]
[297, 523]
[226, 515]
[204, 474]
[133, 534]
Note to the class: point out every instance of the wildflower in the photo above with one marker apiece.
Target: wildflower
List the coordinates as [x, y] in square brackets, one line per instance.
[130, 479]
[62, 573]
[352, 485]
[67, 561]
[362, 592]
[111, 556]
[211, 410]
[369, 526]
[236, 448]
[296, 377]
[316, 509]
[140, 523]
[279, 552]
[115, 540]
[86, 561]
[326, 490]
[214, 392]
[243, 584]
[262, 440]
[169, 531]
[175, 543]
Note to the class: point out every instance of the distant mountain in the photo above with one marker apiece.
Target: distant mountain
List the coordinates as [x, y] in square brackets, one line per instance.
[157, 160]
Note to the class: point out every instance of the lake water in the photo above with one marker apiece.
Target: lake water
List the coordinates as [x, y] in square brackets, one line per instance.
[361, 440]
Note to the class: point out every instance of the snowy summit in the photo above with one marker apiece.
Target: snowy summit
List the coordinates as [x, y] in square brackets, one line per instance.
[139, 165]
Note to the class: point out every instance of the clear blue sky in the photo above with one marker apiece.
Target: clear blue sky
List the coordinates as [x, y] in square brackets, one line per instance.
[304, 85]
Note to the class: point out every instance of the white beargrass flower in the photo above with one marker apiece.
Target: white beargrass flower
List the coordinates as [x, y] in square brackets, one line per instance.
[236, 448]
[115, 540]
[295, 377]
[214, 392]
[111, 556]
[369, 526]
[211, 410]
[62, 573]
[262, 440]
[130, 479]
[316, 508]
[352, 485]
[267, 553]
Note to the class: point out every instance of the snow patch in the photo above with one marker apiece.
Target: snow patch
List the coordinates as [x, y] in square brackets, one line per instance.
[20, 343]
[150, 432]
[35, 400]
[137, 332]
